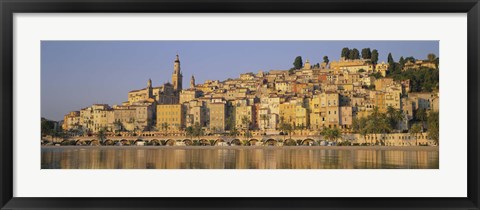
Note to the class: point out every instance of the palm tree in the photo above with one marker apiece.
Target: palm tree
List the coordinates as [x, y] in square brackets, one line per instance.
[360, 125]
[289, 129]
[433, 126]
[165, 127]
[374, 121]
[394, 116]
[233, 132]
[248, 135]
[197, 130]
[383, 127]
[332, 134]
[101, 134]
[414, 130]
[189, 131]
[421, 115]
[118, 125]
[246, 123]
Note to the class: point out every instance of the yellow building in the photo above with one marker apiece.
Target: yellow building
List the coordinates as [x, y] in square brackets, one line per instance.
[379, 101]
[189, 95]
[71, 120]
[172, 115]
[382, 68]
[418, 64]
[123, 118]
[196, 113]
[218, 113]
[392, 98]
[346, 116]
[301, 117]
[307, 65]
[287, 112]
[242, 112]
[352, 66]
[383, 83]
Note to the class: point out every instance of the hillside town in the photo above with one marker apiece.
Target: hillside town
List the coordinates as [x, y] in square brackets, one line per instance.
[356, 100]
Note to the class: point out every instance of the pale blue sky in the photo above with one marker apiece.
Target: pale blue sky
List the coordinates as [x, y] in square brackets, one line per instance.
[76, 74]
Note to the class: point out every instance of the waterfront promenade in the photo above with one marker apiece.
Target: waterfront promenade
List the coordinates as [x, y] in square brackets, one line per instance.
[395, 139]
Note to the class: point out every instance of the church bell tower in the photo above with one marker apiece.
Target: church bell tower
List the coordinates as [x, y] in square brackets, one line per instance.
[177, 75]
[192, 82]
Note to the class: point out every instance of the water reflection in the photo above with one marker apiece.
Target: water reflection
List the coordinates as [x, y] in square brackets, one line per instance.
[236, 158]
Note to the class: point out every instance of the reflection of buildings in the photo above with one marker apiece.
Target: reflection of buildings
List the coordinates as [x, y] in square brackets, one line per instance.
[176, 158]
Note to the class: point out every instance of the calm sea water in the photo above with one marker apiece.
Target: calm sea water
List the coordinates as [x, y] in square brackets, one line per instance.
[76, 157]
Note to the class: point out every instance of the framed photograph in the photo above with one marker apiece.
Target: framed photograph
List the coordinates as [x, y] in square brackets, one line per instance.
[239, 105]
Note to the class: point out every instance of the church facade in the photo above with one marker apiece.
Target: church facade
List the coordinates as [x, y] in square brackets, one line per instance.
[167, 93]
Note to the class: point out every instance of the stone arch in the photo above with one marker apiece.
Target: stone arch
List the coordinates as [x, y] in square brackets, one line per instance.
[218, 141]
[290, 142]
[271, 142]
[108, 142]
[204, 142]
[65, 142]
[124, 142]
[94, 143]
[79, 142]
[253, 142]
[138, 141]
[236, 142]
[155, 142]
[308, 142]
[188, 142]
[170, 142]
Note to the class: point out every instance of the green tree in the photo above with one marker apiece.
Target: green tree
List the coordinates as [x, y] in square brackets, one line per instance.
[366, 53]
[298, 63]
[164, 127]
[101, 135]
[230, 122]
[360, 125]
[394, 116]
[246, 124]
[375, 123]
[286, 128]
[401, 62]
[345, 52]
[433, 126]
[118, 125]
[248, 135]
[390, 59]
[325, 60]
[377, 75]
[332, 134]
[431, 57]
[189, 131]
[47, 126]
[410, 59]
[197, 130]
[233, 132]
[374, 56]
[354, 54]
[415, 130]
[421, 115]
[421, 80]
[392, 67]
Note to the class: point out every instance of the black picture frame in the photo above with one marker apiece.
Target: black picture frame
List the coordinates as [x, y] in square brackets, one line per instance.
[10, 7]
